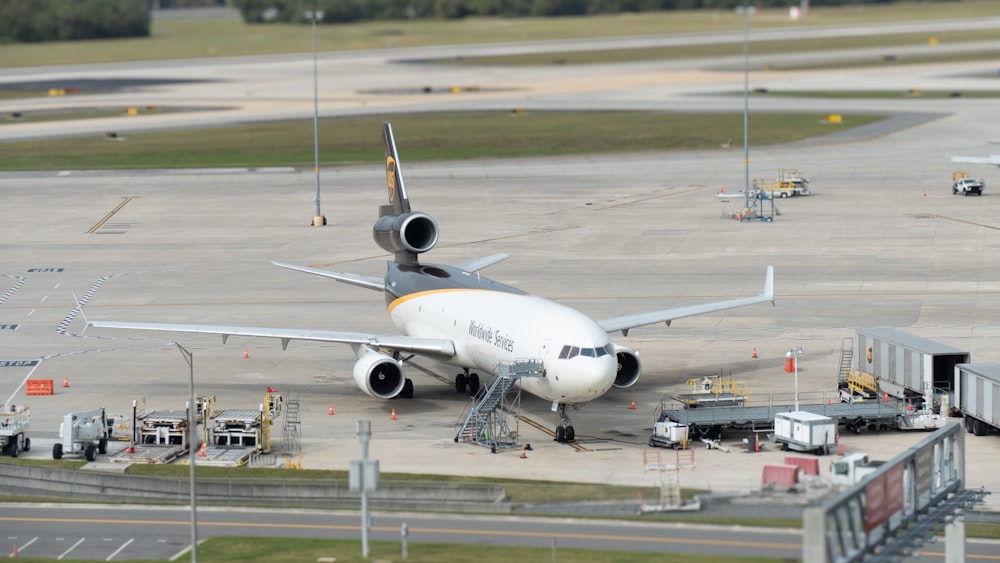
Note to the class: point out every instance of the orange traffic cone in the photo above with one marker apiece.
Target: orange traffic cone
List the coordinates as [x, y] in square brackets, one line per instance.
[202, 452]
[841, 448]
[886, 399]
[754, 355]
[524, 454]
[633, 405]
[393, 416]
[65, 381]
[14, 553]
[789, 365]
[246, 352]
[756, 442]
[331, 409]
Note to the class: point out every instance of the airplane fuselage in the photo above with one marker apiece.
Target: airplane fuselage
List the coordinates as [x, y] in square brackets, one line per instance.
[491, 323]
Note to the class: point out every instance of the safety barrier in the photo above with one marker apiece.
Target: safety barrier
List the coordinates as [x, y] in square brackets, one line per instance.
[38, 387]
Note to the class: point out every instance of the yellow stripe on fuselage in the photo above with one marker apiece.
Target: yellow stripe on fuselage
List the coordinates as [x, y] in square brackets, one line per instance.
[400, 300]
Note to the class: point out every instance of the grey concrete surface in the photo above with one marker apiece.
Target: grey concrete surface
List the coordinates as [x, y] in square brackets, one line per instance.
[882, 242]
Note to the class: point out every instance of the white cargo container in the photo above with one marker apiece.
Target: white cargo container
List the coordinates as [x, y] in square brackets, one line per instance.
[805, 431]
[977, 394]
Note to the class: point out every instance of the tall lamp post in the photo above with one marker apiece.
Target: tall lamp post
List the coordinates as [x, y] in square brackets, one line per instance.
[313, 15]
[746, 12]
[793, 355]
[192, 447]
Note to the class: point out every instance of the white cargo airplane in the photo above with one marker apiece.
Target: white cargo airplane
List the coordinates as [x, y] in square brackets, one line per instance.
[451, 314]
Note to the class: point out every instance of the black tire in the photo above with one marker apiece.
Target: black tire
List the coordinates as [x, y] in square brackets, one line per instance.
[57, 451]
[968, 425]
[474, 384]
[784, 195]
[460, 383]
[14, 448]
[560, 434]
[978, 428]
[27, 444]
[407, 392]
[90, 452]
[102, 446]
[570, 434]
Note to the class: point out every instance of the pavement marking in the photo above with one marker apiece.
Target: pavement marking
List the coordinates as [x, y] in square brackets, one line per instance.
[111, 214]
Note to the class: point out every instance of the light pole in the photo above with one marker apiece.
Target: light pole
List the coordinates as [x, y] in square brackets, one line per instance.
[794, 354]
[313, 15]
[746, 12]
[192, 447]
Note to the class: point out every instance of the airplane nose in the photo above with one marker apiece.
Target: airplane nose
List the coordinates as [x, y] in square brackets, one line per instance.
[585, 379]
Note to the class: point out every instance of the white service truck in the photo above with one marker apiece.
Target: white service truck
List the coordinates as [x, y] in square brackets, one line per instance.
[963, 184]
[14, 422]
[83, 433]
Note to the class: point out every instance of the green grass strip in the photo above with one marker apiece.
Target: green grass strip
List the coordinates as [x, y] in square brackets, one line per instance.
[423, 137]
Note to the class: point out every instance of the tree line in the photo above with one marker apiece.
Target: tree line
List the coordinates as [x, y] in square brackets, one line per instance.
[346, 11]
[63, 20]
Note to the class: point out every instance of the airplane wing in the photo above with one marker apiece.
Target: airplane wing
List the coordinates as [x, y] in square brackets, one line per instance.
[480, 263]
[366, 282]
[627, 322]
[992, 159]
[428, 346]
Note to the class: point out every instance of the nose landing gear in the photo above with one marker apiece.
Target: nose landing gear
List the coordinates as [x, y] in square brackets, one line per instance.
[466, 381]
[565, 431]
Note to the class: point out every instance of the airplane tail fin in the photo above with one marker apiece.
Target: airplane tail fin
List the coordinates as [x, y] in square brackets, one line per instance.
[399, 203]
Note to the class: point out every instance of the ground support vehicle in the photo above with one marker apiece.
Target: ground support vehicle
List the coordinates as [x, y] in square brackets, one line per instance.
[669, 434]
[775, 188]
[83, 433]
[14, 422]
[965, 185]
[805, 431]
[712, 422]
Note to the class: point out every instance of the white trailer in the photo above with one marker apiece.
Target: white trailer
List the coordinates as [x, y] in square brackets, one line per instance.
[14, 422]
[83, 433]
[977, 396]
[805, 431]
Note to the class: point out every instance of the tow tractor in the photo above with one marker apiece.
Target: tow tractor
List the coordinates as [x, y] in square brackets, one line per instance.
[14, 422]
[83, 433]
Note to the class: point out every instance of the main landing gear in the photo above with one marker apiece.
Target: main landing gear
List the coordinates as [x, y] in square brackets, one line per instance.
[565, 431]
[465, 380]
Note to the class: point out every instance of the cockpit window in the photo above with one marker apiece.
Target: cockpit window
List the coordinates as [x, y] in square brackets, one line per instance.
[568, 352]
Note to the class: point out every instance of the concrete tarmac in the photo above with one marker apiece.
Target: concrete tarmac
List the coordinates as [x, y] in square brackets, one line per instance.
[881, 242]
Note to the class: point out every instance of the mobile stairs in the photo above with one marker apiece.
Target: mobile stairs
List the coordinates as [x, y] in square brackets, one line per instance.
[485, 420]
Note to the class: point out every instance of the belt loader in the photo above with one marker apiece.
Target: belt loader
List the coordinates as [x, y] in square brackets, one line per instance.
[83, 433]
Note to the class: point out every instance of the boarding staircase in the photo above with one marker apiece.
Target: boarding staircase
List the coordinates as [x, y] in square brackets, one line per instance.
[846, 357]
[485, 420]
[854, 384]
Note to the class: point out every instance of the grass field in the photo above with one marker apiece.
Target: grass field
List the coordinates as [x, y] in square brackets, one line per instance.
[451, 136]
[172, 39]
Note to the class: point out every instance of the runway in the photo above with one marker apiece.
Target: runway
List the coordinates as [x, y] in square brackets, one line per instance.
[881, 242]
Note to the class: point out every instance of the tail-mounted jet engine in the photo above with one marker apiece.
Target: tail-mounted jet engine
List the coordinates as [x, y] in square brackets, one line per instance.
[378, 375]
[411, 232]
[629, 367]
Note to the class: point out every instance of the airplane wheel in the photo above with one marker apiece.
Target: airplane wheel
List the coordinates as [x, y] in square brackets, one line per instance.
[474, 384]
[570, 433]
[460, 383]
[560, 434]
[407, 392]
[57, 451]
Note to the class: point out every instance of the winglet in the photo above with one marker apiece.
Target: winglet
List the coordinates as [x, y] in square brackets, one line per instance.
[399, 203]
[769, 284]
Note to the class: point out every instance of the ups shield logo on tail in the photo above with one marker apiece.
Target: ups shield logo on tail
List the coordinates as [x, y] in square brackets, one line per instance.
[390, 177]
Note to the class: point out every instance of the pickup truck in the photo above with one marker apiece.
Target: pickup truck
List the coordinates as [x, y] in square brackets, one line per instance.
[966, 186]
